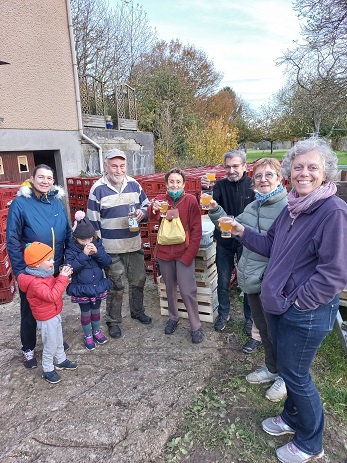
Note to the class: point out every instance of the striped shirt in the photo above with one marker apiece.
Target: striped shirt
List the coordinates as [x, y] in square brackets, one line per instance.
[108, 211]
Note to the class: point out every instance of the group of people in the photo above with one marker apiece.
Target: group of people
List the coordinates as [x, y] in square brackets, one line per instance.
[288, 250]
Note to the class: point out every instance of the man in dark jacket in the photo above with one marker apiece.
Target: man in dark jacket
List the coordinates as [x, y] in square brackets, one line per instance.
[232, 193]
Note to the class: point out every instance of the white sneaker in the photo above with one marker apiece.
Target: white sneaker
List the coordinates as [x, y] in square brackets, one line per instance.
[289, 453]
[275, 426]
[277, 391]
[261, 375]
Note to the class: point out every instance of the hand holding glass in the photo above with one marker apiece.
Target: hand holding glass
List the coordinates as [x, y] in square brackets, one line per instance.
[205, 199]
[225, 225]
[164, 205]
[211, 176]
[66, 268]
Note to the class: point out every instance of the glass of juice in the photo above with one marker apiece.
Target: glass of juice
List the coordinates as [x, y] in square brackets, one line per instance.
[211, 177]
[205, 199]
[164, 205]
[225, 225]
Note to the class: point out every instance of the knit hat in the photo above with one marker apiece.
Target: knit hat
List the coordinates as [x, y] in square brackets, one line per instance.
[82, 227]
[36, 252]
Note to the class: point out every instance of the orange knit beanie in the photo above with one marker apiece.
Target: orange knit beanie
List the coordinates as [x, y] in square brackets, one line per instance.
[36, 252]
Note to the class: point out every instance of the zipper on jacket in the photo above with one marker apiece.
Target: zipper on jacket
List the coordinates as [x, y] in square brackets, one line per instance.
[291, 225]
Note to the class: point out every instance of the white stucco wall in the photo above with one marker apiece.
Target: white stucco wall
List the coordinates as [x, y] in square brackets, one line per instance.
[37, 88]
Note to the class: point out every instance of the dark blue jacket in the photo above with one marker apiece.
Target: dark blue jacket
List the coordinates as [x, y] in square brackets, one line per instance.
[233, 197]
[88, 277]
[32, 219]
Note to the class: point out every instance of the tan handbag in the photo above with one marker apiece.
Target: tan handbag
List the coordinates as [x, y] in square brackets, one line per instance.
[171, 230]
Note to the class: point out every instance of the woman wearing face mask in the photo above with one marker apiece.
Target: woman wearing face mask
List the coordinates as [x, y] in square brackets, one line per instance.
[176, 261]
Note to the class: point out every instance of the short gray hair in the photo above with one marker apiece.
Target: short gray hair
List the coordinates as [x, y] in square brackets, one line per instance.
[323, 148]
[233, 153]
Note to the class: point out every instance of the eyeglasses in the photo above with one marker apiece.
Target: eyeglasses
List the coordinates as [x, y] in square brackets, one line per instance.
[234, 166]
[267, 175]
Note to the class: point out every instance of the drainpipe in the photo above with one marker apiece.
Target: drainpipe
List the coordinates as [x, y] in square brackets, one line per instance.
[77, 88]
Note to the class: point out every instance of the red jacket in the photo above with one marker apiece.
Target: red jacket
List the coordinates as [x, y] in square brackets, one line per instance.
[45, 295]
[190, 215]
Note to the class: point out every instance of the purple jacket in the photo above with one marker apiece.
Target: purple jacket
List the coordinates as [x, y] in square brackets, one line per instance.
[307, 256]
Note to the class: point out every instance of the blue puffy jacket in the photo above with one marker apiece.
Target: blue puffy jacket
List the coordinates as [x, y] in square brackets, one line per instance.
[32, 219]
[88, 277]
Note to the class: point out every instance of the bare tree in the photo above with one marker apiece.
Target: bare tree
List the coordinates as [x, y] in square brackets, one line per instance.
[110, 41]
[316, 67]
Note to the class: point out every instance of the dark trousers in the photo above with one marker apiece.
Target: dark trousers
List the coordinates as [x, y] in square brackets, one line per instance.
[260, 320]
[27, 324]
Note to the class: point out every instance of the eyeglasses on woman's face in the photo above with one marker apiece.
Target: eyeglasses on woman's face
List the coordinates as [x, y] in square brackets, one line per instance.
[266, 175]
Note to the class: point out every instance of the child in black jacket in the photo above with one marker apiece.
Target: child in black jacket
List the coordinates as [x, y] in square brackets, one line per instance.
[87, 256]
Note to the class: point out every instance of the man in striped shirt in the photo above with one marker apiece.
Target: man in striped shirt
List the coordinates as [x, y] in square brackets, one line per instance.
[108, 209]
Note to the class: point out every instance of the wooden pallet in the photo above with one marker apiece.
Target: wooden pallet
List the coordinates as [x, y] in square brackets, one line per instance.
[343, 298]
[206, 297]
[206, 253]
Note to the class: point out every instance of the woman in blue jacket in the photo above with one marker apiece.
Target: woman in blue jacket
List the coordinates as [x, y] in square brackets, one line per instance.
[306, 246]
[87, 257]
[37, 214]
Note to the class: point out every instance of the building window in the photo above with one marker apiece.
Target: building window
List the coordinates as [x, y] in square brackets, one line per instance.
[1, 167]
[23, 164]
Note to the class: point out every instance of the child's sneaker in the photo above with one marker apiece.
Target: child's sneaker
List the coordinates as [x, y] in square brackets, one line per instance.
[29, 359]
[66, 365]
[51, 377]
[89, 342]
[99, 337]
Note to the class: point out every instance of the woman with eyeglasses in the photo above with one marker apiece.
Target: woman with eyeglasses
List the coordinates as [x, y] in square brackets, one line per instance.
[271, 198]
[306, 246]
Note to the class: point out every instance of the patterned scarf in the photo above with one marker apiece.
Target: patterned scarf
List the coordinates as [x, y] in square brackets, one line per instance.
[298, 204]
[262, 197]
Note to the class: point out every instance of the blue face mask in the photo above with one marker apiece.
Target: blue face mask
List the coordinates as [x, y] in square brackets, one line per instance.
[175, 195]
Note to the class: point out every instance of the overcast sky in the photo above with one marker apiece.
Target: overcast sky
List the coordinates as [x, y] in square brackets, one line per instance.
[243, 38]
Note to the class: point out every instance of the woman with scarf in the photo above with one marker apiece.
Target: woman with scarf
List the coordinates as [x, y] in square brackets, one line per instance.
[37, 214]
[271, 198]
[306, 246]
[177, 261]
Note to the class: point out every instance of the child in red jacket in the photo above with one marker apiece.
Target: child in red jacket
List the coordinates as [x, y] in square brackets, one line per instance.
[44, 293]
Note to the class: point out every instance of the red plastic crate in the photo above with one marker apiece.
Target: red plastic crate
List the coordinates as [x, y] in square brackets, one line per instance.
[3, 251]
[5, 280]
[5, 265]
[146, 244]
[3, 220]
[7, 294]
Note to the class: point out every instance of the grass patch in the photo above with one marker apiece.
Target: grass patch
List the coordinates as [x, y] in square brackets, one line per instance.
[223, 421]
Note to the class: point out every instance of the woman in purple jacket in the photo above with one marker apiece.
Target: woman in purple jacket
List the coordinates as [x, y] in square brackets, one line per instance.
[306, 246]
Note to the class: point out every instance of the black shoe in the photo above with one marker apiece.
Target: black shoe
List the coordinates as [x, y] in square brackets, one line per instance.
[114, 331]
[66, 346]
[251, 346]
[248, 326]
[170, 327]
[197, 336]
[51, 377]
[220, 322]
[142, 318]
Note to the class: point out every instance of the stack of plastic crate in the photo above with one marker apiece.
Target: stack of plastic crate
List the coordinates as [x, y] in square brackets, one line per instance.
[78, 191]
[7, 280]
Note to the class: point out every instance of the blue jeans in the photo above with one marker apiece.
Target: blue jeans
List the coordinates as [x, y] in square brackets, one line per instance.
[225, 265]
[296, 336]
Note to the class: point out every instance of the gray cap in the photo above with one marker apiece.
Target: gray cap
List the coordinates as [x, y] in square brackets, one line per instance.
[115, 153]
